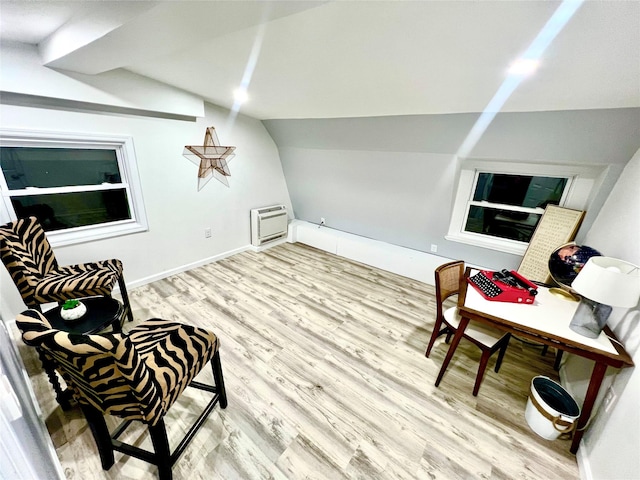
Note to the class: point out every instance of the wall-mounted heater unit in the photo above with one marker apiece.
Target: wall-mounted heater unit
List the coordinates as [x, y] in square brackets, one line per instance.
[268, 224]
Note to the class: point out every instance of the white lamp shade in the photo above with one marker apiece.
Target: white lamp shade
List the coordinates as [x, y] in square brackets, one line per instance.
[609, 281]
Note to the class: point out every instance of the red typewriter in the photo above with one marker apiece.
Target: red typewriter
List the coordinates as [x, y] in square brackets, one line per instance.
[504, 286]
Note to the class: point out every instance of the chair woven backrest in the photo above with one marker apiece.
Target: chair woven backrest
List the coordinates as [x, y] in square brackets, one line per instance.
[102, 370]
[27, 254]
[448, 278]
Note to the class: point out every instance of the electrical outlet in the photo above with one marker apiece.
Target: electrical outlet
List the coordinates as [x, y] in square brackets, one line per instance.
[434, 247]
[609, 399]
[207, 233]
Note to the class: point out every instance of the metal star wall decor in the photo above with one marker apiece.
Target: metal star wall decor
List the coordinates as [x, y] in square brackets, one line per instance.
[212, 159]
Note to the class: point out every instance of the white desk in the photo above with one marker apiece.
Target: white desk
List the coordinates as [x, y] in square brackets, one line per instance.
[545, 321]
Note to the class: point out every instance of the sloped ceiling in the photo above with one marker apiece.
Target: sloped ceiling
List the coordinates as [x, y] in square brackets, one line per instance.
[345, 59]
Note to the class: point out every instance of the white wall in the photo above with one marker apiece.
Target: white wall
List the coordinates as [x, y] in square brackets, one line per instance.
[609, 449]
[393, 178]
[177, 213]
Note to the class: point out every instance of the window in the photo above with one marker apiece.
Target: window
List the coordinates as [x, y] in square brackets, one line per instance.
[499, 205]
[80, 187]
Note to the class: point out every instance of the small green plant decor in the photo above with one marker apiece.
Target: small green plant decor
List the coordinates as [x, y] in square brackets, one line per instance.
[70, 304]
[73, 310]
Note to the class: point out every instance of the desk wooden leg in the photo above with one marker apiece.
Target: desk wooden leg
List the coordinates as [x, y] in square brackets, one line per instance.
[452, 348]
[592, 392]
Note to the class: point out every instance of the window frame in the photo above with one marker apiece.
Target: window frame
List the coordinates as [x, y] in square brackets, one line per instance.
[130, 181]
[581, 184]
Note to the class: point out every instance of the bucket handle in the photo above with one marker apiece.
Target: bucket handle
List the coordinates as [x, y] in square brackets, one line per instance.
[570, 427]
[557, 421]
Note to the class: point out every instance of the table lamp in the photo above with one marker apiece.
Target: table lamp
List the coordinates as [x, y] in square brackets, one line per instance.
[603, 283]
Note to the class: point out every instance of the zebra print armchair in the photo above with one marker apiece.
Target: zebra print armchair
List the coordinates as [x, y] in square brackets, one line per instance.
[27, 254]
[137, 376]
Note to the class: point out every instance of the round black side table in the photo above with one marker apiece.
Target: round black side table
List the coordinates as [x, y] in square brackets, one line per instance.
[102, 312]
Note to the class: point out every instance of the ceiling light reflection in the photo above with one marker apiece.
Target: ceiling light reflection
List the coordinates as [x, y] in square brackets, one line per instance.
[240, 95]
[524, 67]
[250, 67]
[551, 29]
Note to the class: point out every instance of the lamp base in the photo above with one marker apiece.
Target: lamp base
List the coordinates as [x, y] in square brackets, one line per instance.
[590, 318]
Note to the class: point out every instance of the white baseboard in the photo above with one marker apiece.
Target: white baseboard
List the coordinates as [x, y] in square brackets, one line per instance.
[584, 467]
[392, 258]
[184, 268]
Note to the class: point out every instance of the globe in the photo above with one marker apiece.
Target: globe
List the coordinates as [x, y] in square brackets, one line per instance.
[566, 262]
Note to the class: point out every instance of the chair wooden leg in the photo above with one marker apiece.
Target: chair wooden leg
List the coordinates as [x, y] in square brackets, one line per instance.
[436, 333]
[63, 397]
[503, 350]
[219, 380]
[556, 364]
[484, 359]
[101, 435]
[545, 349]
[125, 298]
[452, 349]
[160, 442]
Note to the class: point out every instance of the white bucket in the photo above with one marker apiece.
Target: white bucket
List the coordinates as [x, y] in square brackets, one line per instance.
[551, 411]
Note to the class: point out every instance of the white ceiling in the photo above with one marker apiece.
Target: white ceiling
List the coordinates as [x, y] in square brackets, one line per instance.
[305, 59]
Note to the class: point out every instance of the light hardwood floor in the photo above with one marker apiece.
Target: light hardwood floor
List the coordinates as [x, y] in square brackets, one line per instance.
[326, 377]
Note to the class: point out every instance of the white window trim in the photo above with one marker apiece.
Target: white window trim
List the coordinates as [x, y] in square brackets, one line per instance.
[125, 152]
[582, 180]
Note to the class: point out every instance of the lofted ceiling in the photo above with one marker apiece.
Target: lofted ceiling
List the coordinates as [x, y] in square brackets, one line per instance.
[308, 59]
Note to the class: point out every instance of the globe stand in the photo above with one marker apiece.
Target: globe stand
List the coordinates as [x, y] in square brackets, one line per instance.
[564, 294]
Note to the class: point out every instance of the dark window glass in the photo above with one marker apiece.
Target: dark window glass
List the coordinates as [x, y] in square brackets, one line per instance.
[519, 190]
[502, 223]
[69, 210]
[58, 167]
